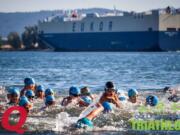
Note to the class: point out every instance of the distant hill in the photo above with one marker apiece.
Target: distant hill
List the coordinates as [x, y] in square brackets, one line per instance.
[15, 22]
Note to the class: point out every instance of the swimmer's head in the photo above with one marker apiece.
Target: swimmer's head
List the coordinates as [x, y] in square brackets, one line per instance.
[109, 85]
[74, 91]
[40, 91]
[166, 89]
[30, 95]
[24, 102]
[50, 100]
[152, 100]
[13, 95]
[85, 91]
[48, 92]
[29, 81]
[109, 88]
[132, 94]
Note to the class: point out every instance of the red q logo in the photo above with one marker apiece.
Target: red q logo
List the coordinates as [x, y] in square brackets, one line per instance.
[18, 127]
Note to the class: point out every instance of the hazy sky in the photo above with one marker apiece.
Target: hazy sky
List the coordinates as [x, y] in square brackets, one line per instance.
[129, 5]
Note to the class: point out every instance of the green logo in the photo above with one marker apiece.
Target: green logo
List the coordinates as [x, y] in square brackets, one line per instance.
[155, 125]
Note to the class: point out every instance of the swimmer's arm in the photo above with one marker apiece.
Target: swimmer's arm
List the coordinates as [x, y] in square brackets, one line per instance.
[102, 99]
[1, 108]
[43, 108]
[91, 96]
[118, 105]
[64, 102]
[117, 102]
[81, 103]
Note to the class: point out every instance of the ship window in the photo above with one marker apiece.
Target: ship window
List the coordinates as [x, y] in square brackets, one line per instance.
[179, 29]
[171, 29]
[92, 26]
[101, 26]
[110, 25]
[74, 27]
[82, 26]
[150, 29]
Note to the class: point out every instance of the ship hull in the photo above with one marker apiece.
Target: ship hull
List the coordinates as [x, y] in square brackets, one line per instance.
[103, 41]
[169, 41]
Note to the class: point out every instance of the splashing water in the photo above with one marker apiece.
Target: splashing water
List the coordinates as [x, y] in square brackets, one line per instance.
[58, 119]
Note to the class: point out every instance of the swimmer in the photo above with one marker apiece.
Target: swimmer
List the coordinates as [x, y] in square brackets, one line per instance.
[173, 94]
[40, 92]
[29, 84]
[152, 100]
[48, 92]
[133, 96]
[74, 98]
[24, 102]
[13, 96]
[108, 97]
[30, 95]
[49, 101]
[86, 95]
[121, 95]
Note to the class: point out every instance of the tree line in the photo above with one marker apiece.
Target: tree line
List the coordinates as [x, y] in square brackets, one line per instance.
[27, 40]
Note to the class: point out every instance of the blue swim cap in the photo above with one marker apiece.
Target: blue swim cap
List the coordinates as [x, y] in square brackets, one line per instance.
[152, 100]
[49, 91]
[29, 81]
[122, 98]
[29, 93]
[40, 88]
[23, 101]
[14, 91]
[86, 99]
[107, 106]
[84, 122]
[132, 92]
[74, 91]
[49, 98]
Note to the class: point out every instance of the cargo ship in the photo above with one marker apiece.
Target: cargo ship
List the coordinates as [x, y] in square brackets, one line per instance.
[155, 30]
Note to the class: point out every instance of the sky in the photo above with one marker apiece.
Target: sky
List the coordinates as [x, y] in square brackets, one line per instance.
[126, 5]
